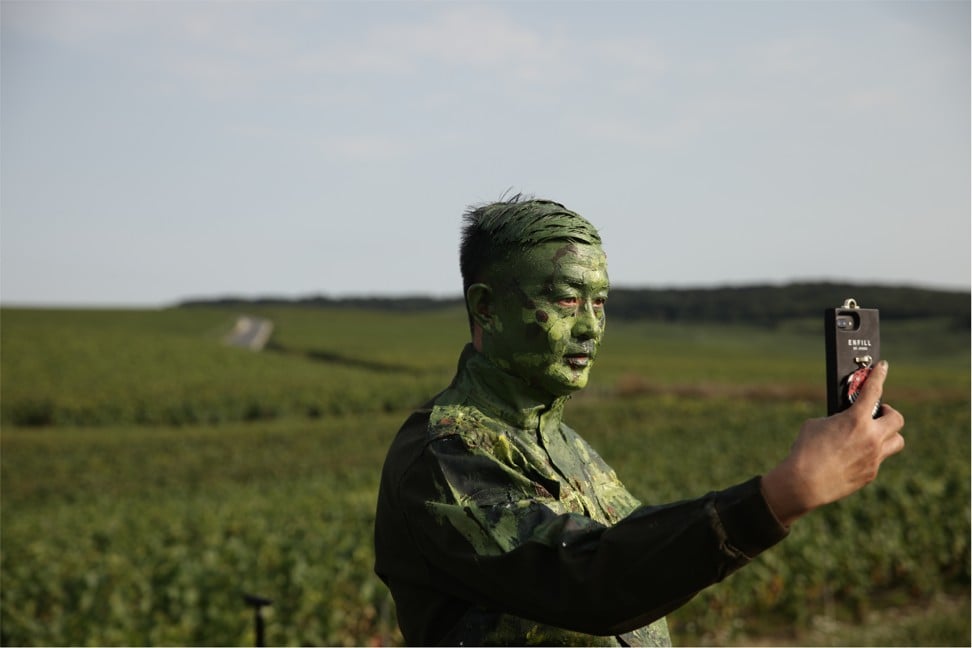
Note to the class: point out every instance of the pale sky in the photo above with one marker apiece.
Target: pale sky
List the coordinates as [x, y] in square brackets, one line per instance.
[152, 151]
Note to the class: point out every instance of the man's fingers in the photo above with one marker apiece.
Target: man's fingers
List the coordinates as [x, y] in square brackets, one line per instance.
[891, 421]
[870, 394]
[893, 445]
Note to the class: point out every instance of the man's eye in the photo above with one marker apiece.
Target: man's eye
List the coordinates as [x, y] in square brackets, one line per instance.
[598, 302]
[567, 301]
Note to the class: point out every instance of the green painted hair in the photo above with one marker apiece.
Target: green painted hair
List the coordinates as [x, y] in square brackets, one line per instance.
[496, 231]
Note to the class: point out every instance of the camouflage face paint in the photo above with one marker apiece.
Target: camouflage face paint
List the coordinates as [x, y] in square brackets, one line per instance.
[548, 315]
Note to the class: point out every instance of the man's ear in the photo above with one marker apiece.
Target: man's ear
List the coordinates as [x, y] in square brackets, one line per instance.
[479, 301]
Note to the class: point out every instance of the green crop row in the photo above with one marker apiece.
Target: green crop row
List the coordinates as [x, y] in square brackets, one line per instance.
[150, 536]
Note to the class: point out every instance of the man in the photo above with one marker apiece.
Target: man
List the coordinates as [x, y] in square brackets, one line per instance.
[498, 524]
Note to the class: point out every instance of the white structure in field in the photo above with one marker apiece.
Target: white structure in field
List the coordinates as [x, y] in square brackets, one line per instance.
[250, 332]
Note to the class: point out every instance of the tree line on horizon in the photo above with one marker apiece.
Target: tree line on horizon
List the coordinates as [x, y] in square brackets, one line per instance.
[763, 305]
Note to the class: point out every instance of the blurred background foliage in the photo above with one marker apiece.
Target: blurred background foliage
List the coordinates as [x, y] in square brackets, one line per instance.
[152, 475]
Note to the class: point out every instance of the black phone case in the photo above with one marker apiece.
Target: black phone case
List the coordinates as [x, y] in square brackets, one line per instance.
[853, 344]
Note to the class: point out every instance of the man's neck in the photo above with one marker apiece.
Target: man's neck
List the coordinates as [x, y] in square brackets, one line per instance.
[504, 395]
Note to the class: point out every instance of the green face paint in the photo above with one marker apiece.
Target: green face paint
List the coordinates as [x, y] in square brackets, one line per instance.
[548, 315]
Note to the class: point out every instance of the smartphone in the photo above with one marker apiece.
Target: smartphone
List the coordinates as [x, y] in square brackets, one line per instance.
[852, 337]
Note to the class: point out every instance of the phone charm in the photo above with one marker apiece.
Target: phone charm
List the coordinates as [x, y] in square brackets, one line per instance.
[855, 383]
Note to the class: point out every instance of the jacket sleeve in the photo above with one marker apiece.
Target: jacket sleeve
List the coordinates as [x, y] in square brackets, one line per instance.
[500, 547]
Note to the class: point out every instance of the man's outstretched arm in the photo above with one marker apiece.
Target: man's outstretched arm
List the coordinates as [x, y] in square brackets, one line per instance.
[835, 456]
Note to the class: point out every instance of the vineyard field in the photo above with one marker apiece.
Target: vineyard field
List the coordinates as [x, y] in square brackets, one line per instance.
[151, 475]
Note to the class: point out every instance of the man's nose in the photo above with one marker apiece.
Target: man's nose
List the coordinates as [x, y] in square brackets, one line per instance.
[588, 323]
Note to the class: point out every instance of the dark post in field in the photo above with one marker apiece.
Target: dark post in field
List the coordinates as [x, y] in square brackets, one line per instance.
[257, 603]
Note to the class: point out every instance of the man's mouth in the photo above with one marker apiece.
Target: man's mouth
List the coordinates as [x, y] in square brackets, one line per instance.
[578, 360]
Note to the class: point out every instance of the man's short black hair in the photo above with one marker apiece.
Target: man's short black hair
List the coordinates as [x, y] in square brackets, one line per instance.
[494, 232]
